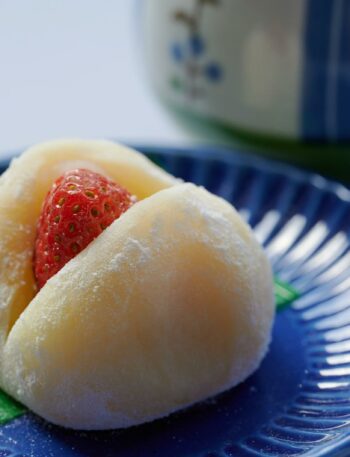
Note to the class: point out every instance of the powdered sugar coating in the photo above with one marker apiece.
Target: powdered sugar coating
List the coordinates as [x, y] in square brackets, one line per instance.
[171, 304]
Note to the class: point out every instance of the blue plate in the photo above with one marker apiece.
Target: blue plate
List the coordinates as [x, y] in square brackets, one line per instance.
[298, 402]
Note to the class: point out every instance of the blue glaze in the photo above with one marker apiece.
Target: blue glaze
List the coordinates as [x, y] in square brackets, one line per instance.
[213, 72]
[298, 402]
[196, 44]
[177, 52]
[325, 96]
[342, 83]
[317, 41]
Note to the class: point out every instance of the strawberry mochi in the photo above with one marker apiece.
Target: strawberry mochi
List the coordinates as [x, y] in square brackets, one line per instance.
[170, 304]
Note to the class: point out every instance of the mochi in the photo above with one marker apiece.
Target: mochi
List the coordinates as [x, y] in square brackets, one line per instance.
[171, 304]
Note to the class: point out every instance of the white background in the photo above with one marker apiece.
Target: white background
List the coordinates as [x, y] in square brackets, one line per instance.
[73, 68]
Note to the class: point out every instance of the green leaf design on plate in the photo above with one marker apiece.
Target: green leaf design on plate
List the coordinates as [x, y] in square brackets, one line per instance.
[285, 294]
[9, 408]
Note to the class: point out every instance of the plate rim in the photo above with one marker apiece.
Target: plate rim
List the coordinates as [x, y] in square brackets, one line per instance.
[230, 154]
[235, 155]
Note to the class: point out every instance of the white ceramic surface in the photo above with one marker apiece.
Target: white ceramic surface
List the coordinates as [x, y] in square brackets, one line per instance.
[256, 44]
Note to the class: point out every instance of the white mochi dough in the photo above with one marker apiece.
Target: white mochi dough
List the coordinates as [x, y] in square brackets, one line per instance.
[171, 304]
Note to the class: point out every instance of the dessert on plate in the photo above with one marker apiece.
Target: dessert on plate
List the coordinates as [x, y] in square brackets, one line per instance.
[126, 318]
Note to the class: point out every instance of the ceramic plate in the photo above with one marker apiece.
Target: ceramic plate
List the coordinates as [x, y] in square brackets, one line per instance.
[298, 402]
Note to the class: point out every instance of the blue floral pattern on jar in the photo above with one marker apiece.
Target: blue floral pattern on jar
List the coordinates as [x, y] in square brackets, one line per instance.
[191, 54]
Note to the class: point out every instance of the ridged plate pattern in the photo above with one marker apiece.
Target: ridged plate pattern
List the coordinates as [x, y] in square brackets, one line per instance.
[298, 402]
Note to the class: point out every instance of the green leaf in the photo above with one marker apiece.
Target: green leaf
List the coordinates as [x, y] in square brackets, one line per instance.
[9, 408]
[285, 294]
[176, 83]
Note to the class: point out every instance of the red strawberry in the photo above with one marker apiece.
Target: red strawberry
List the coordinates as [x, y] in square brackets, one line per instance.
[79, 206]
